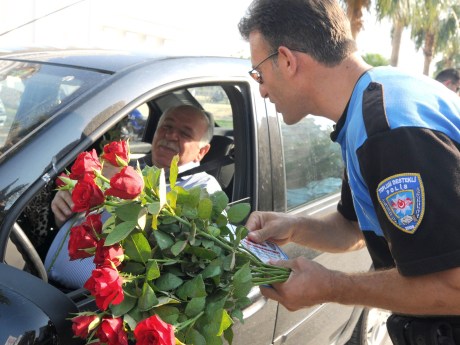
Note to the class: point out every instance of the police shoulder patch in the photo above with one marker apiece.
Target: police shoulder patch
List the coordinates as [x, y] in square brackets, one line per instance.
[402, 198]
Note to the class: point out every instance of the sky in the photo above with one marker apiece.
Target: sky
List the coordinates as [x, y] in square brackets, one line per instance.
[203, 27]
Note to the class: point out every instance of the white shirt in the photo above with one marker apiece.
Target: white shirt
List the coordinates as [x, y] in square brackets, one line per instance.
[74, 274]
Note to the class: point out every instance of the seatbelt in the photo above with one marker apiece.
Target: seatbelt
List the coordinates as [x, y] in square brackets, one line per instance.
[211, 165]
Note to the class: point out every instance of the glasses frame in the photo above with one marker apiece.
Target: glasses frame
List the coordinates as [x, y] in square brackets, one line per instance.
[257, 75]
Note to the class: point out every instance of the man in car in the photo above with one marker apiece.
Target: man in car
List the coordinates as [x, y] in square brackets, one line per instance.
[400, 138]
[450, 77]
[184, 130]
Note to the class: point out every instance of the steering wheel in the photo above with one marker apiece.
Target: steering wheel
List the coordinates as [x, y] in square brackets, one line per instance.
[28, 252]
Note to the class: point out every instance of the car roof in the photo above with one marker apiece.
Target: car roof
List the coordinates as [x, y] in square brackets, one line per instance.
[97, 59]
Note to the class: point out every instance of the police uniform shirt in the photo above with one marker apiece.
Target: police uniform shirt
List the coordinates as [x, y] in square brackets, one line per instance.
[400, 138]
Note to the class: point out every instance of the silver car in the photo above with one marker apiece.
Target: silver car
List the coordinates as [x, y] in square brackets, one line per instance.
[66, 101]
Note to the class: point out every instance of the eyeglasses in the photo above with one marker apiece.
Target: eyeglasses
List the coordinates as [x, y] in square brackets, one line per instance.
[255, 74]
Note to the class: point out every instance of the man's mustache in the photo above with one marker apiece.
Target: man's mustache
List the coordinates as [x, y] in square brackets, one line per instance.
[169, 144]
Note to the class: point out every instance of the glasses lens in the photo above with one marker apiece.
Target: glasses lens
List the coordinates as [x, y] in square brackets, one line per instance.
[256, 76]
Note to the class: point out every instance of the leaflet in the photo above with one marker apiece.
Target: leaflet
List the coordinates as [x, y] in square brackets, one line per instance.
[265, 251]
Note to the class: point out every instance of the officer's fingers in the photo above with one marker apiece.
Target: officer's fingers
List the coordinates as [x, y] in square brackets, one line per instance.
[255, 221]
[270, 292]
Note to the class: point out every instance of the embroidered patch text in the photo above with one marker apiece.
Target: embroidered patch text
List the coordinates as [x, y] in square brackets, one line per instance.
[403, 200]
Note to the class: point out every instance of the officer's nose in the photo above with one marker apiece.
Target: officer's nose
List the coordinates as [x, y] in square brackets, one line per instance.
[263, 91]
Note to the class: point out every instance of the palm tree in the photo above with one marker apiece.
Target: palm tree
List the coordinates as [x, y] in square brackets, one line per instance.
[400, 13]
[354, 10]
[449, 39]
[434, 24]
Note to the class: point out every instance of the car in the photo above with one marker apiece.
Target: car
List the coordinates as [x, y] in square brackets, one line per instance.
[63, 102]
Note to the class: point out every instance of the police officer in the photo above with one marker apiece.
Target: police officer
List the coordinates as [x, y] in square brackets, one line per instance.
[400, 137]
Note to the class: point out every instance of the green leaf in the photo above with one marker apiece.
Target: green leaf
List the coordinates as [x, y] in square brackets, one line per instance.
[120, 232]
[189, 212]
[214, 305]
[168, 282]
[173, 171]
[190, 197]
[195, 306]
[147, 300]
[153, 271]
[124, 307]
[178, 247]
[229, 262]
[165, 300]
[168, 314]
[238, 314]
[226, 322]
[137, 248]
[154, 207]
[221, 221]
[205, 209]
[242, 281]
[192, 288]
[194, 337]
[213, 269]
[130, 321]
[164, 241]
[228, 334]
[212, 230]
[132, 267]
[241, 232]
[210, 331]
[201, 252]
[151, 176]
[219, 201]
[128, 212]
[192, 234]
[238, 212]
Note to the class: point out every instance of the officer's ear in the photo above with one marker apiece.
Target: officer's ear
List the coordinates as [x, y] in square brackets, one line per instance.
[287, 61]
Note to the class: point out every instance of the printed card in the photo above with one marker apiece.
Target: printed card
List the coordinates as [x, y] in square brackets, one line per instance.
[265, 251]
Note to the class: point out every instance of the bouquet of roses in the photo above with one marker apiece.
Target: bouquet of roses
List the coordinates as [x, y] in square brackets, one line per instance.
[170, 268]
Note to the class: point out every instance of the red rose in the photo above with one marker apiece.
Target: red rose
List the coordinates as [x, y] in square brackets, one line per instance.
[127, 184]
[83, 238]
[81, 242]
[111, 332]
[85, 163]
[154, 331]
[86, 195]
[60, 182]
[115, 151]
[106, 255]
[94, 222]
[81, 325]
[106, 286]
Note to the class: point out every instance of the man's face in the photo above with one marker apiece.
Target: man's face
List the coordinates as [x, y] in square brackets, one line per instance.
[179, 132]
[276, 85]
[452, 85]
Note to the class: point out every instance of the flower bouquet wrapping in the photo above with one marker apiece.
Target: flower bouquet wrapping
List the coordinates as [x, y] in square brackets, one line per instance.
[169, 264]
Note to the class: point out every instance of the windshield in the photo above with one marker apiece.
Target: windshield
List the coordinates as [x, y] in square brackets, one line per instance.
[31, 93]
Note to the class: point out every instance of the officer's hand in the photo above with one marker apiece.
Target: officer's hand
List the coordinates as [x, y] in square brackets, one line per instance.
[272, 226]
[62, 207]
[309, 284]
